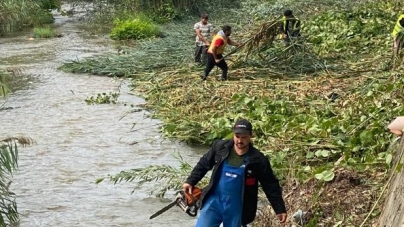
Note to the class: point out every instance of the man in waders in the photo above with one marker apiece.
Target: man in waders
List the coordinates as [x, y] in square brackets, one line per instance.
[203, 30]
[231, 196]
[289, 27]
[397, 38]
[215, 52]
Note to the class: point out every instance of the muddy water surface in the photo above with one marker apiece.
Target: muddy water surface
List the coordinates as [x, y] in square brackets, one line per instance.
[77, 143]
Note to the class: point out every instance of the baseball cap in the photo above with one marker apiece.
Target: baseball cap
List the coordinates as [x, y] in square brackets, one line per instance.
[242, 126]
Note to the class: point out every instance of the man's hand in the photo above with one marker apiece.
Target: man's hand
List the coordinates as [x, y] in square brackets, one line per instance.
[218, 60]
[187, 188]
[282, 217]
[207, 43]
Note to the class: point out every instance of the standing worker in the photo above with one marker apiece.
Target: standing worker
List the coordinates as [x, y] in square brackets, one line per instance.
[397, 38]
[232, 194]
[215, 52]
[290, 26]
[203, 31]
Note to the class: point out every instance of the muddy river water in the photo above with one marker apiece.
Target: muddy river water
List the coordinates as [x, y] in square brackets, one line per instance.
[77, 143]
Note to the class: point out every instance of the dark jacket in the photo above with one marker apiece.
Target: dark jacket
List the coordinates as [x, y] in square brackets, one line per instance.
[258, 169]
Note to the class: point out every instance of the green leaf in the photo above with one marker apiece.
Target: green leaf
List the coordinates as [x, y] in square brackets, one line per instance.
[326, 175]
[389, 158]
[310, 155]
[322, 153]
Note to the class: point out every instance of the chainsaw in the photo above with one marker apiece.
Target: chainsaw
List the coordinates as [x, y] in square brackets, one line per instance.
[187, 202]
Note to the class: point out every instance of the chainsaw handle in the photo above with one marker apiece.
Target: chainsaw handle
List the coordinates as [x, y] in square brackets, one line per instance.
[195, 207]
[188, 203]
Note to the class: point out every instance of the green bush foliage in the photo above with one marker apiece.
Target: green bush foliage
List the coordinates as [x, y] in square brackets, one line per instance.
[139, 27]
[359, 28]
[165, 13]
[49, 4]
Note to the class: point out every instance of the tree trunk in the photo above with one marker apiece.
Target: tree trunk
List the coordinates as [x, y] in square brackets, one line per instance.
[393, 209]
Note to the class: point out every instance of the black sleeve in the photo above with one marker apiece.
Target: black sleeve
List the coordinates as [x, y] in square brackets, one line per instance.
[402, 22]
[271, 187]
[205, 163]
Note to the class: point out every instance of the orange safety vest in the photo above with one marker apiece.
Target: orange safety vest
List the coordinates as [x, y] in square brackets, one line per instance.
[220, 49]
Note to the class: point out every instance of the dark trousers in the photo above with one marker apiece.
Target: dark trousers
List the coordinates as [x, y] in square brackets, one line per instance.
[211, 63]
[397, 46]
[200, 54]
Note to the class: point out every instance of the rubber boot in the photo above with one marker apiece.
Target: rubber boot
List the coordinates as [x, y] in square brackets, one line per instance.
[224, 75]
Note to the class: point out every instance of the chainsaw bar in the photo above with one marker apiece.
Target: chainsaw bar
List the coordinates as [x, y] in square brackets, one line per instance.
[164, 209]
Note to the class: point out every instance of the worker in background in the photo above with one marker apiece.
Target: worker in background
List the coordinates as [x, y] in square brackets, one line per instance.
[215, 52]
[289, 26]
[203, 30]
[397, 38]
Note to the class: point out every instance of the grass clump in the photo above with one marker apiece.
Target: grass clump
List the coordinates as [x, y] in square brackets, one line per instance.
[139, 27]
[44, 32]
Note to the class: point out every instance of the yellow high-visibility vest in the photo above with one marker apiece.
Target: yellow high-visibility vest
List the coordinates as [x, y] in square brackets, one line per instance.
[220, 49]
[295, 21]
[397, 28]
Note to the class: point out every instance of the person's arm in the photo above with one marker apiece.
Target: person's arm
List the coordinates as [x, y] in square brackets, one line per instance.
[284, 27]
[205, 163]
[231, 42]
[272, 189]
[281, 27]
[200, 36]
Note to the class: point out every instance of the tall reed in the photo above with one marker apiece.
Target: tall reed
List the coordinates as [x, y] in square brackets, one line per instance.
[17, 14]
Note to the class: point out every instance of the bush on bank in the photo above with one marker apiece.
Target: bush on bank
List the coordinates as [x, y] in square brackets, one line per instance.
[139, 27]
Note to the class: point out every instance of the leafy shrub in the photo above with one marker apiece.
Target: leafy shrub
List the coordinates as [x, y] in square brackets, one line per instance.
[138, 28]
[49, 4]
[165, 13]
[360, 28]
[45, 18]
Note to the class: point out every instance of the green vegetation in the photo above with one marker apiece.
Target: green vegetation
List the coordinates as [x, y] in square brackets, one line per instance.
[8, 164]
[320, 107]
[16, 14]
[159, 11]
[4, 90]
[138, 28]
[44, 32]
[104, 98]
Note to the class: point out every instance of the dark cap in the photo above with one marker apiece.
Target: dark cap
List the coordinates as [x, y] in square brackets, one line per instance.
[242, 126]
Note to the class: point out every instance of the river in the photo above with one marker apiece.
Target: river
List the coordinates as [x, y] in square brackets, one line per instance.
[77, 143]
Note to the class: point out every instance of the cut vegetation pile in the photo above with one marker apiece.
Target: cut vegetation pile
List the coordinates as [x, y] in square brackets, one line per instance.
[319, 107]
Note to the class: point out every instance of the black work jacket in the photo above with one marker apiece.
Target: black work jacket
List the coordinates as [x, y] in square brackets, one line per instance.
[257, 169]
